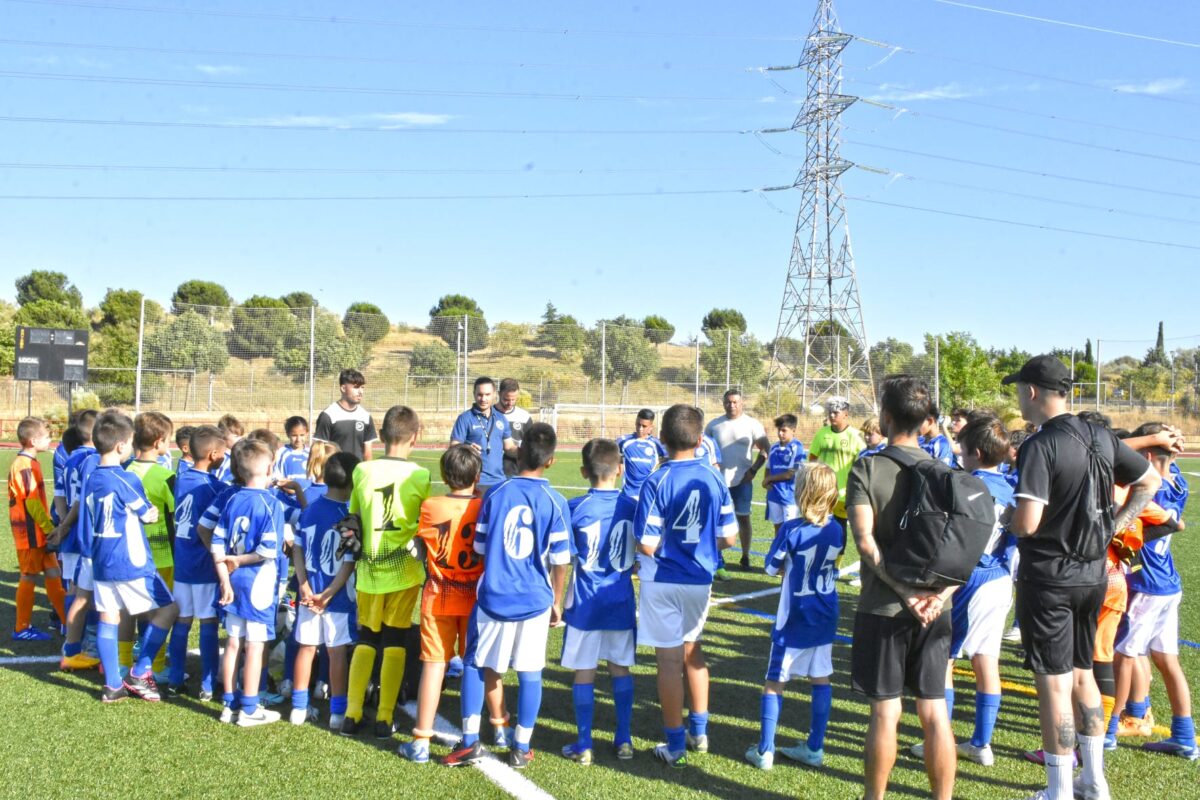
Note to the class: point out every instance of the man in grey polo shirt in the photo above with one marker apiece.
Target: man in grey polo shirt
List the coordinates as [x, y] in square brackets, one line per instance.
[739, 435]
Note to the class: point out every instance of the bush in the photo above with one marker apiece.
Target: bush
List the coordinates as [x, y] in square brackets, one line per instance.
[366, 321]
[431, 361]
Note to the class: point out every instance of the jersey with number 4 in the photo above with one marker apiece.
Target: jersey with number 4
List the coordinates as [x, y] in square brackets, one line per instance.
[600, 597]
[252, 522]
[806, 555]
[684, 510]
[522, 532]
[195, 491]
[116, 507]
[318, 539]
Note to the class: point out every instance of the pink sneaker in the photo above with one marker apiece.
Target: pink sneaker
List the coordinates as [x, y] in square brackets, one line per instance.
[1039, 757]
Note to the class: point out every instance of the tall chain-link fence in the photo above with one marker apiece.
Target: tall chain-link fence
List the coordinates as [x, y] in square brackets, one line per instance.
[264, 364]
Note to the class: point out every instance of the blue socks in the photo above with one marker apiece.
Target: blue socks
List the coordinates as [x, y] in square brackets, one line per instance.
[1113, 721]
[987, 708]
[584, 696]
[676, 739]
[529, 702]
[177, 651]
[229, 700]
[950, 703]
[210, 654]
[337, 705]
[249, 703]
[769, 708]
[822, 706]
[623, 700]
[697, 723]
[70, 649]
[289, 656]
[152, 641]
[1183, 729]
[106, 644]
[471, 702]
[1136, 708]
[300, 698]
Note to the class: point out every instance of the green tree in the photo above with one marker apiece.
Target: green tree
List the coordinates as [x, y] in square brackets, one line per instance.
[300, 301]
[1088, 358]
[429, 362]
[50, 314]
[658, 330]
[8, 336]
[199, 293]
[967, 378]
[508, 339]
[1157, 356]
[746, 356]
[114, 349]
[719, 320]
[447, 315]
[561, 333]
[332, 349]
[889, 357]
[188, 342]
[47, 286]
[260, 326]
[123, 307]
[628, 355]
[366, 321]
[787, 350]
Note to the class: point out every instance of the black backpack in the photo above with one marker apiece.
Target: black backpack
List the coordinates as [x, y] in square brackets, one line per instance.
[1094, 517]
[946, 525]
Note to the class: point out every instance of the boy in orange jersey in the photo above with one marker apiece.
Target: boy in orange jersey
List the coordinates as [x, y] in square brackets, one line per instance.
[29, 515]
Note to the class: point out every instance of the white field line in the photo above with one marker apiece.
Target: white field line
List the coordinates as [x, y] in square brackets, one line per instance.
[7, 661]
[737, 598]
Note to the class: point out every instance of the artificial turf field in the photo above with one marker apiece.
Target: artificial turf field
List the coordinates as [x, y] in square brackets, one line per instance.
[57, 739]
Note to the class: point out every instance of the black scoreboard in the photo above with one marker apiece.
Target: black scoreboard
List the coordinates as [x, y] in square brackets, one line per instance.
[51, 354]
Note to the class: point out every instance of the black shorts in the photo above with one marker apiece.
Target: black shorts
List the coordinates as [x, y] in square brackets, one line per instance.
[891, 654]
[1058, 625]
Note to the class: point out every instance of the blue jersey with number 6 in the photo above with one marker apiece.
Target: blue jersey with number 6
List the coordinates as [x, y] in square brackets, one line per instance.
[252, 522]
[808, 604]
[683, 511]
[601, 594]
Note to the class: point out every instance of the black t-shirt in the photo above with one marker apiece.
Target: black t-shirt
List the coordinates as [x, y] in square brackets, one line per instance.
[349, 430]
[1052, 468]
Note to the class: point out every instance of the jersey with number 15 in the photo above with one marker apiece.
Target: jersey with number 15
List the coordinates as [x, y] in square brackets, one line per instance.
[683, 511]
[806, 554]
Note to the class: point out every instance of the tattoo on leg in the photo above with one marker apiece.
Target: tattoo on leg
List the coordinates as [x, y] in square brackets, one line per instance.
[1066, 731]
[1092, 720]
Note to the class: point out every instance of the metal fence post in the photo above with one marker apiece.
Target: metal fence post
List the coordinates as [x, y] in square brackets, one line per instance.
[1097, 360]
[603, 373]
[728, 347]
[466, 350]
[137, 376]
[697, 373]
[937, 371]
[312, 361]
[1072, 380]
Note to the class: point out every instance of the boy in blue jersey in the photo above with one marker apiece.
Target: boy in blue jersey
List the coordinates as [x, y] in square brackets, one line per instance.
[196, 583]
[933, 441]
[785, 459]
[291, 461]
[600, 611]
[1156, 592]
[234, 431]
[126, 580]
[640, 453]
[684, 519]
[245, 545]
[523, 535]
[326, 612]
[873, 435]
[805, 550]
[183, 440]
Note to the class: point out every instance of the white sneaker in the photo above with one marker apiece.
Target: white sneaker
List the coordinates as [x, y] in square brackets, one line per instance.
[1013, 634]
[918, 750]
[1040, 794]
[980, 755]
[228, 715]
[299, 716]
[259, 716]
[321, 691]
[335, 722]
[1083, 792]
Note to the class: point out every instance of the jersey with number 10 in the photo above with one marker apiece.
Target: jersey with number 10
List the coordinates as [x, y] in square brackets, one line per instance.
[601, 594]
[523, 531]
[806, 554]
[195, 490]
[684, 509]
[115, 504]
[318, 539]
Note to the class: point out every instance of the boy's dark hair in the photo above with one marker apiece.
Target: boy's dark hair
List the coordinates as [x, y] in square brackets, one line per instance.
[1017, 438]
[988, 436]
[352, 377]
[84, 424]
[537, 446]
[460, 466]
[786, 421]
[203, 438]
[266, 437]
[1096, 418]
[934, 412]
[149, 427]
[1149, 429]
[291, 423]
[979, 413]
[508, 385]
[906, 401]
[964, 413]
[29, 428]
[481, 380]
[339, 470]
[646, 413]
[230, 424]
[601, 459]
[682, 426]
[112, 427]
[71, 440]
[400, 424]
[184, 434]
[245, 452]
[1122, 433]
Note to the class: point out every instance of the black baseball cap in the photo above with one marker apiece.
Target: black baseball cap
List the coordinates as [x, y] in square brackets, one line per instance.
[1045, 371]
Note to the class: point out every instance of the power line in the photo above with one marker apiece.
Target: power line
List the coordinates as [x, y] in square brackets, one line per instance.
[361, 171]
[336, 20]
[1076, 25]
[367, 198]
[1020, 224]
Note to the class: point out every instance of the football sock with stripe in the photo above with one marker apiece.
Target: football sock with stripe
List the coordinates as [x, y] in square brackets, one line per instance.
[584, 697]
[623, 700]
[178, 649]
[529, 702]
[822, 706]
[769, 707]
[987, 708]
[152, 642]
[471, 703]
[106, 644]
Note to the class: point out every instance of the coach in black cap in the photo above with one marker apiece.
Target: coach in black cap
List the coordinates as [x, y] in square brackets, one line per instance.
[1060, 576]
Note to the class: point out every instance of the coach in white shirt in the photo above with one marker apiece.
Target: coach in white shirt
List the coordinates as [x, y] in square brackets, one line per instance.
[739, 435]
[518, 420]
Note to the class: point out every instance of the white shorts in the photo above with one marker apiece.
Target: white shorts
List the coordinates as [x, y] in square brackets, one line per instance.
[134, 597]
[799, 662]
[1153, 625]
[240, 628]
[69, 563]
[986, 619]
[197, 600]
[82, 576]
[670, 614]
[777, 513]
[498, 644]
[586, 649]
[330, 628]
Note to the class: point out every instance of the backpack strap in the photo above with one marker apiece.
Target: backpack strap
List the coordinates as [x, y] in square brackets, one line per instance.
[1092, 447]
[898, 455]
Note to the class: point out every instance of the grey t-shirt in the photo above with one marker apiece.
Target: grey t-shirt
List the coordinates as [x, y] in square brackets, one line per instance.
[884, 485]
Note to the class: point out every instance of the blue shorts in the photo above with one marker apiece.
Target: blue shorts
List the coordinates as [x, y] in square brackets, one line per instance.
[742, 494]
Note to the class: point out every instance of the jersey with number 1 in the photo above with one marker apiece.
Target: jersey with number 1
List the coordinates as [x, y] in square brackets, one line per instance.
[523, 531]
[195, 490]
[806, 554]
[600, 597]
[116, 505]
[684, 510]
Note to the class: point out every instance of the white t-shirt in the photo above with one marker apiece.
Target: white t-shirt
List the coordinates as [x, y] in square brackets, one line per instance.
[736, 438]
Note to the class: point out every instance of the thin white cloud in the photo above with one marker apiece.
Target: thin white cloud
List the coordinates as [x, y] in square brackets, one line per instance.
[411, 119]
[219, 69]
[904, 94]
[298, 121]
[1158, 86]
[767, 99]
[385, 121]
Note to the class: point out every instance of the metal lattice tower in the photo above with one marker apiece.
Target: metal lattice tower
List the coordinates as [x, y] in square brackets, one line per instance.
[821, 343]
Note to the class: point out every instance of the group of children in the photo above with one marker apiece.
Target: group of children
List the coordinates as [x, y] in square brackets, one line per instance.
[244, 521]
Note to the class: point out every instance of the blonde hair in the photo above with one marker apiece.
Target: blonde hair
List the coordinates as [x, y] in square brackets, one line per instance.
[317, 457]
[818, 494]
[871, 426]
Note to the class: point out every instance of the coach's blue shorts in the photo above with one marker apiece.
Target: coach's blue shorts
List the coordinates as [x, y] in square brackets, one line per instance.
[742, 495]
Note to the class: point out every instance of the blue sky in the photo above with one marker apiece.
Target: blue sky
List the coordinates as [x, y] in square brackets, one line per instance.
[421, 74]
